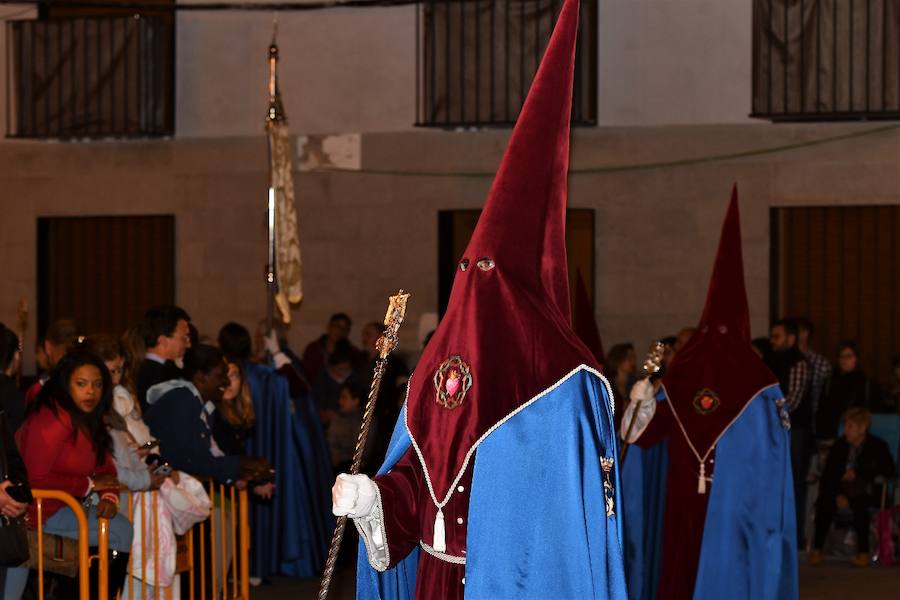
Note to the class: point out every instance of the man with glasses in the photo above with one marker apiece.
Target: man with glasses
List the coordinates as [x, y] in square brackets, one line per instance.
[166, 333]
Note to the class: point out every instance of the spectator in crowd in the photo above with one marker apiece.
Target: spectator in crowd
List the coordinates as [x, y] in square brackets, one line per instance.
[327, 389]
[392, 391]
[125, 394]
[180, 416]
[345, 426]
[792, 371]
[849, 482]
[13, 482]
[235, 418]
[12, 401]
[317, 353]
[128, 455]
[850, 387]
[819, 367]
[621, 368]
[763, 348]
[66, 447]
[60, 338]
[166, 334]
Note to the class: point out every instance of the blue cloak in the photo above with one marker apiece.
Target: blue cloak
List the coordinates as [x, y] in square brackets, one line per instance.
[290, 534]
[644, 475]
[749, 546]
[537, 516]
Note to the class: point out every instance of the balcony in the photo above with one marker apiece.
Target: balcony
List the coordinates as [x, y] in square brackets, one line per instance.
[476, 60]
[90, 77]
[826, 60]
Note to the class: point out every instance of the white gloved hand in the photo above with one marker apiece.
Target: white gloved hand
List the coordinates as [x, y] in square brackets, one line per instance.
[353, 496]
[271, 342]
[639, 412]
[642, 393]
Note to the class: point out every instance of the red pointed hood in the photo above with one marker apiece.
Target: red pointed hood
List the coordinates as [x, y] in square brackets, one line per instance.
[508, 320]
[717, 373]
[584, 323]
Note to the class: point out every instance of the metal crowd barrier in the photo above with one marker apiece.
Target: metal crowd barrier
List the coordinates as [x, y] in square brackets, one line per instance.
[224, 533]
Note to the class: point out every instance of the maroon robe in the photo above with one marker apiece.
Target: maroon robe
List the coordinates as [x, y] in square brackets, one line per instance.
[404, 493]
[685, 513]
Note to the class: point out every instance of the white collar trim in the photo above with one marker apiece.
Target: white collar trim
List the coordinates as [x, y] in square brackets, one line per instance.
[471, 452]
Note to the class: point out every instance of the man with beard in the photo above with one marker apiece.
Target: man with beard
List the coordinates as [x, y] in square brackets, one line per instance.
[793, 373]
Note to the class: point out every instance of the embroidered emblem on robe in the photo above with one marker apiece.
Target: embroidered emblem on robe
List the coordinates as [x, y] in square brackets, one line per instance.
[609, 493]
[706, 401]
[452, 382]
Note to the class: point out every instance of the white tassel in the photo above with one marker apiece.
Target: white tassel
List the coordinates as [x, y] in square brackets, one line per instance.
[701, 482]
[440, 534]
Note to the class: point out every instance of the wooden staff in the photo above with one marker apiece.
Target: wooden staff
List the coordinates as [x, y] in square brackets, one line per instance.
[393, 319]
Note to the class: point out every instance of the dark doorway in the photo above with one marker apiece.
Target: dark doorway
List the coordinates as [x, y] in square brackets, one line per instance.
[840, 267]
[104, 271]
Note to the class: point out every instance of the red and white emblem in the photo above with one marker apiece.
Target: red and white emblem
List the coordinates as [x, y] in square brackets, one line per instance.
[706, 401]
[452, 382]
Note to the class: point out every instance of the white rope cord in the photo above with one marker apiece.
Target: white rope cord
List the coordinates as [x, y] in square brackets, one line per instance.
[456, 560]
[702, 461]
[441, 505]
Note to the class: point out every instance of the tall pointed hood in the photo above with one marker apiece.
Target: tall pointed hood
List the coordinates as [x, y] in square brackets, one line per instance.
[584, 323]
[716, 374]
[506, 336]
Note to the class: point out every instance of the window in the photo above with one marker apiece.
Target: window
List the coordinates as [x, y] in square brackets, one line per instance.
[826, 60]
[477, 60]
[91, 73]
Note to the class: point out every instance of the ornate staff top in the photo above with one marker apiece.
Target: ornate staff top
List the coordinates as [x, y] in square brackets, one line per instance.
[276, 110]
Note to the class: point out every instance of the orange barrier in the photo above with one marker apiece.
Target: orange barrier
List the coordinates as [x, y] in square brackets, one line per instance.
[229, 533]
[83, 553]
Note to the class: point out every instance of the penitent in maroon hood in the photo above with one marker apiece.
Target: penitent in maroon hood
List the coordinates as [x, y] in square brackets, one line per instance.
[506, 337]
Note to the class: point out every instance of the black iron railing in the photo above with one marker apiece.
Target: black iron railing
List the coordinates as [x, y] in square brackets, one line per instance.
[476, 60]
[826, 59]
[90, 77]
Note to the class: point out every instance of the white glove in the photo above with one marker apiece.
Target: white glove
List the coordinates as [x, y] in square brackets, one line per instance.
[639, 412]
[271, 342]
[642, 393]
[353, 496]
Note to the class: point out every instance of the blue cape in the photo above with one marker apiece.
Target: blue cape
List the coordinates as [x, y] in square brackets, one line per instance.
[644, 475]
[749, 546]
[537, 516]
[291, 533]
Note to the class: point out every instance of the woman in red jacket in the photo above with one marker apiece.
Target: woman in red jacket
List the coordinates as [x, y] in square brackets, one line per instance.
[66, 447]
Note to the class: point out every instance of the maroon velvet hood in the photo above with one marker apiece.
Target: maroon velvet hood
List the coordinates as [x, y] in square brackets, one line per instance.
[717, 373]
[508, 320]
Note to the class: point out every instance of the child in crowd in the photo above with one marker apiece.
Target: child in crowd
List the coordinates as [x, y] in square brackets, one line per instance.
[345, 426]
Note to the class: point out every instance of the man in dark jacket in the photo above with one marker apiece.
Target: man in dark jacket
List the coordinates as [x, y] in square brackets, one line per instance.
[848, 482]
[790, 367]
[166, 333]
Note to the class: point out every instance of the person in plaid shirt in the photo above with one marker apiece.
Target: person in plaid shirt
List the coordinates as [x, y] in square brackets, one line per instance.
[793, 372]
[819, 366]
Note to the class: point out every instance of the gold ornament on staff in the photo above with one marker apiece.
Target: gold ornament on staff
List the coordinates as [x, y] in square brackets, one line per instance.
[386, 344]
[652, 371]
